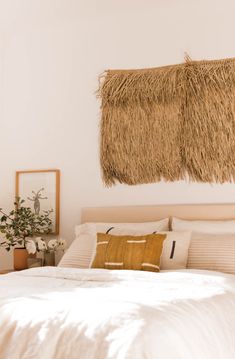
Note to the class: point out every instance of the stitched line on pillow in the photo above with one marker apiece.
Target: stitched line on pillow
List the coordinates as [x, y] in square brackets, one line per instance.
[149, 265]
[113, 264]
[133, 241]
[172, 249]
[110, 229]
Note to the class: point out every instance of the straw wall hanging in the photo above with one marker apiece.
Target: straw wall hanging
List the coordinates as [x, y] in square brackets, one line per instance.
[171, 123]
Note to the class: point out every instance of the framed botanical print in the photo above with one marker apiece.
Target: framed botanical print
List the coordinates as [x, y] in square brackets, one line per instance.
[41, 191]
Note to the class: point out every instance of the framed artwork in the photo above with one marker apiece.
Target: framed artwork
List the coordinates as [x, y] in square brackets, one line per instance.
[41, 191]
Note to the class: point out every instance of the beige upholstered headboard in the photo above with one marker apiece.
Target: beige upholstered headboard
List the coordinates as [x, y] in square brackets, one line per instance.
[152, 213]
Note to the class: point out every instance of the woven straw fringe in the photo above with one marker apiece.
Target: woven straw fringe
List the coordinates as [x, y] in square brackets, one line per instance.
[169, 123]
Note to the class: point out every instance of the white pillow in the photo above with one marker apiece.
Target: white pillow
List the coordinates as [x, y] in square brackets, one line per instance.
[145, 227]
[175, 250]
[216, 227]
[212, 252]
[82, 250]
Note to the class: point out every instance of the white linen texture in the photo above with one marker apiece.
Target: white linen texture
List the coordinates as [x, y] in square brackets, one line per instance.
[100, 314]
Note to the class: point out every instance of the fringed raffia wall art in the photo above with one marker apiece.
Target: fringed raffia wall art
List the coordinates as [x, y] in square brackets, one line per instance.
[169, 123]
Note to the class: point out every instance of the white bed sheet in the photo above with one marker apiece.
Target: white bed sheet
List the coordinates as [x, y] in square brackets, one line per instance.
[59, 313]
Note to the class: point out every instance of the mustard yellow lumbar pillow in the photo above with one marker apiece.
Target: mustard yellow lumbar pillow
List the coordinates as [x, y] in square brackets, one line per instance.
[129, 252]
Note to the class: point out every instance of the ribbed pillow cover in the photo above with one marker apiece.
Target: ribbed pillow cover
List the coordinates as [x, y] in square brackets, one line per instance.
[212, 252]
[212, 245]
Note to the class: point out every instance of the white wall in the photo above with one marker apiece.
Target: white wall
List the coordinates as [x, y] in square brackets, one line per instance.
[51, 53]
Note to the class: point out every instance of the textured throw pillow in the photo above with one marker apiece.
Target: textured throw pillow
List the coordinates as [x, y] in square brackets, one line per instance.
[129, 252]
[82, 250]
[212, 252]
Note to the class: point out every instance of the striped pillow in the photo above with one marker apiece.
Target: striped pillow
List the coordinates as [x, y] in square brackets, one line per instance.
[212, 252]
[80, 252]
[129, 252]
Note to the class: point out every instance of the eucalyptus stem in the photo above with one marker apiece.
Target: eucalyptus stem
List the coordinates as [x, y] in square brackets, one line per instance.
[6, 215]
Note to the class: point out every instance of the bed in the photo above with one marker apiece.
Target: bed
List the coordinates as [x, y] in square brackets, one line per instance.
[59, 313]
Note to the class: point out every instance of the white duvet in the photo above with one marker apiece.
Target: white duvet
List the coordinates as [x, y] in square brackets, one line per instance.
[64, 313]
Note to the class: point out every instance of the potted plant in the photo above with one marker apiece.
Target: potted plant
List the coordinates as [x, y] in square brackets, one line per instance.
[19, 227]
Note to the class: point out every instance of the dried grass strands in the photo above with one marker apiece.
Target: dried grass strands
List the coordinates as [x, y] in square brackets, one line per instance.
[135, 148]
[208, 133]
[161, 84]
[135, 120]
[168, 122]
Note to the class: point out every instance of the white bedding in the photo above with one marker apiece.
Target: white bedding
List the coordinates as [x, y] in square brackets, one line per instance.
[59, 313]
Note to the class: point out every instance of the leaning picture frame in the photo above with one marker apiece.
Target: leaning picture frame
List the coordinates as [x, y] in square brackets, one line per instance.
[40, 189]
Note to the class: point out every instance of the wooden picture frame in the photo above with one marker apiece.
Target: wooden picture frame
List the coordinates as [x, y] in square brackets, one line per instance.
[40, 187]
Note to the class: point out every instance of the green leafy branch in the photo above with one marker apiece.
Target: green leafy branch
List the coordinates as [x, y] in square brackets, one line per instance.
[22, 222]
